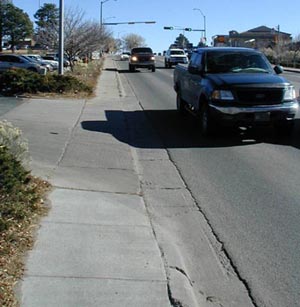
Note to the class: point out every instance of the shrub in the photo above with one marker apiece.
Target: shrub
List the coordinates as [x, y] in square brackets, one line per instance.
[12, 139]
[18, 192]
[21, 204]
[20, 81]
[17, 81]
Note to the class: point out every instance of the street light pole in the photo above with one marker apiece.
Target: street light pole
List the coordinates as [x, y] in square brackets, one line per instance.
[204, 21]
[112, 17]
[101, 4]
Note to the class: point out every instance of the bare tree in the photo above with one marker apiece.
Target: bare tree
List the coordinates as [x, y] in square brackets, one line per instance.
[297, 39]
[295, 51]
[132, 41]
[81, 37]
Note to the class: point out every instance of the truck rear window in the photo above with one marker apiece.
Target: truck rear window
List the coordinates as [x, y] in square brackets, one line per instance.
[174, 52]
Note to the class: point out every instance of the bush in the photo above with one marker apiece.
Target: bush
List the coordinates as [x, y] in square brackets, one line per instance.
[21, 204]
[12, 139]
[12, 178]
[20, 81]
[14, 156]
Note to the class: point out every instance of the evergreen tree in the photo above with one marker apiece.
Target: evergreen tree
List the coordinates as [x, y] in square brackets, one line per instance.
[14, 23]
[181, 41]
[47, 20]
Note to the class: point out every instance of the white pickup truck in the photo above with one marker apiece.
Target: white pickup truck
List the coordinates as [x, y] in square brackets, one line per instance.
[174, 57]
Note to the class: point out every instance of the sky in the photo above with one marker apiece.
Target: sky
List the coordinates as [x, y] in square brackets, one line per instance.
[220, 16]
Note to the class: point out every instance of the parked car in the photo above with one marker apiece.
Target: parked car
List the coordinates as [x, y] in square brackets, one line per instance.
[234, 86]
[37, 57]
[124, 56]
[40, 62]
[55, 58]
[142, 57]
[175, 56]
[11, 61]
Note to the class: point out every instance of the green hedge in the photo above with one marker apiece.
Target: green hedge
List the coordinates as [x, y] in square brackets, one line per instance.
[20, 81]
[16, 200]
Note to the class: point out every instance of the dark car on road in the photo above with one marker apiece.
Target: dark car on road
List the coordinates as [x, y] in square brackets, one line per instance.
[141, 57]
[235, 86]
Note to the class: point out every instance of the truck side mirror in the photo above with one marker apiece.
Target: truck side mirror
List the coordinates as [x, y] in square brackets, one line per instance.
[196, 70]
[278, 69]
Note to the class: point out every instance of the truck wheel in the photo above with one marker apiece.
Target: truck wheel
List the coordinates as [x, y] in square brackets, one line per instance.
[153, 68]
[131, 68]
[166, 64]
[207, 125]
[180, 104]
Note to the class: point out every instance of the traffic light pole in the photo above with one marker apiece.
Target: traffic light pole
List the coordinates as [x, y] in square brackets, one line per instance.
[127, 23]
[183, 29]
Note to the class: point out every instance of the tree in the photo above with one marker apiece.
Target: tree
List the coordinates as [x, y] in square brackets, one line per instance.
[182, 41]
[15, 24]
[132, 41]
[82, 37]
[47, 21]
[1, 24]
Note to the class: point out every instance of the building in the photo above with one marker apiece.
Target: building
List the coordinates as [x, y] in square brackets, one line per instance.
[260, 37]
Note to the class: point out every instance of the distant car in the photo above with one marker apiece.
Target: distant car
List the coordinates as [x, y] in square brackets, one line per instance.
[11, 61]
[125, 56]
[142, 57]
[175, 56]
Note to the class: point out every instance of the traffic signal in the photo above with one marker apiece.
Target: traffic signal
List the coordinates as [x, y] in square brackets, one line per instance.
[187, 29]
[168, 28]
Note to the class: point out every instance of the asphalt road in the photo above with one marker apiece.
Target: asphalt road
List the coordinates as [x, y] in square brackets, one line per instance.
[245, 182]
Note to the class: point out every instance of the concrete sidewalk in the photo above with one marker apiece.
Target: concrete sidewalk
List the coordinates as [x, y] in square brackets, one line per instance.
[96, 247]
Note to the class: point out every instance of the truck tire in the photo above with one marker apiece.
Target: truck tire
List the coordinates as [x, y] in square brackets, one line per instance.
[131, 68]
[207, 124]
[153, 68]
[180, 104]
